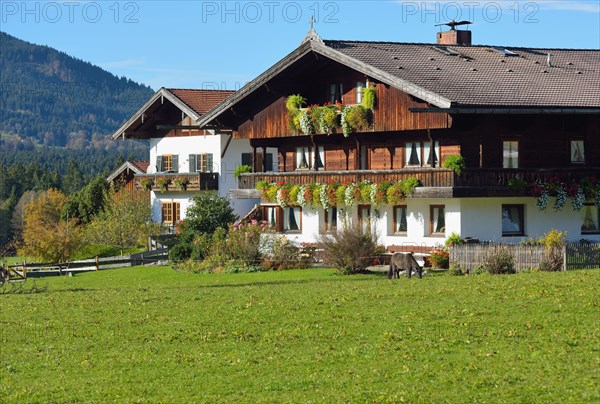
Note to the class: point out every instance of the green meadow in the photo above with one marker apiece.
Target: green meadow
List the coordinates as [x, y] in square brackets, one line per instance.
[155, 335]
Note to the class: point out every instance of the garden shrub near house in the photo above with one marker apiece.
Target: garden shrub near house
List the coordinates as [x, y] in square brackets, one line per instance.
[348, 249]
[499, 261]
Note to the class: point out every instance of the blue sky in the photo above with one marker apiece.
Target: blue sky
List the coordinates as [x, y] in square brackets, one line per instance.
[217, 44]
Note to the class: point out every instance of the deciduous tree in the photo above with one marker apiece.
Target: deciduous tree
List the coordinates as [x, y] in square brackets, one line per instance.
[45, 235]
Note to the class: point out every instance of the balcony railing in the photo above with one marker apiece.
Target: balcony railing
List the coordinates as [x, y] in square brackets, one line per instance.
[178, 182]
[472, 182]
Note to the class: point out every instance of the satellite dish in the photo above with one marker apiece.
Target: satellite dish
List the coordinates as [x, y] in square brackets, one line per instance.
[453, 24]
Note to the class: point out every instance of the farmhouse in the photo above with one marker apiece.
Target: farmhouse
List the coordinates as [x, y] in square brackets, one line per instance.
[502, 143]
[183, 159]
[415, 141]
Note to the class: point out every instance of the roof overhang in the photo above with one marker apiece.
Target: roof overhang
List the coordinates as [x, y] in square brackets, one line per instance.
[321, 49]
[160, 96]
[126, 165]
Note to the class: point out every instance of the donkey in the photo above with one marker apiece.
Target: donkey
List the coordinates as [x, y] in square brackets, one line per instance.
[404, 261]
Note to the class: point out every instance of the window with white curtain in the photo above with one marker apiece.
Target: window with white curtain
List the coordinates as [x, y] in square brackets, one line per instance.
[577, 152]
[292, 219]
[437, 220]
[307, 158]
[359, 91]
[510, 154]
[590, 215]
[400, 223]
[420, 154]
[330, 219]
[303, 160]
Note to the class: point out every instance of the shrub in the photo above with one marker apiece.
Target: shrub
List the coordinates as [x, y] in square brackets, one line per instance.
[281, 254]
[456, 270]
[349, 249]
[499, 261]
[454, 162]
[180, 252]
[553, 242]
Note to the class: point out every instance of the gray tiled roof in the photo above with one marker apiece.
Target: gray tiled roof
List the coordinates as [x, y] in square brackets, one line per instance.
[481, 76]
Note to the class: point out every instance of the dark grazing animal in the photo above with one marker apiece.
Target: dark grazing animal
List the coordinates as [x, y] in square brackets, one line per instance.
[404, 262]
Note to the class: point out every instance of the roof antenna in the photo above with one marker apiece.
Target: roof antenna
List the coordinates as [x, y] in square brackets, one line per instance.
[453, 24]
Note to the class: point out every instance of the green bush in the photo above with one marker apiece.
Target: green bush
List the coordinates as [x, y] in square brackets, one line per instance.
[454, 239]
[454, 162]
[500, 261]
[455, 270]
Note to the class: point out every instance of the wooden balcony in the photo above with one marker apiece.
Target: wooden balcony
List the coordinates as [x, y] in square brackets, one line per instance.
[178, 182]
[435, 182]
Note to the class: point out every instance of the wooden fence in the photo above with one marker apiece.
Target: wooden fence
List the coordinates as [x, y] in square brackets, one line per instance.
[574, 255]
[93, 264]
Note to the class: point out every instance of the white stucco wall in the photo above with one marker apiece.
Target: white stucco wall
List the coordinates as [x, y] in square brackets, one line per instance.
[469, 217]
[183, 147]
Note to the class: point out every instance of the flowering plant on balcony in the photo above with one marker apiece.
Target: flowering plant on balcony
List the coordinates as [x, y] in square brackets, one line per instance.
[333, 194]
[283, 196]
[351, 194]
[440, 257]
[587, 188]
[327, 197]
[378, 193]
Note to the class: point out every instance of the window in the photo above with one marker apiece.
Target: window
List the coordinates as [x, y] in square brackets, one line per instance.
[422, 154]
[513, 220]
[510, 154]
[306, 158]
[330, 216]
[400, 224]
[247, 160]
[437, 220]
[167, 163]
[170, 212]
[359, 91]
[577, 152]
[590, 215]
[364, 218]
[335, 92]
[292, 219]
[283, 219]
[201, 163]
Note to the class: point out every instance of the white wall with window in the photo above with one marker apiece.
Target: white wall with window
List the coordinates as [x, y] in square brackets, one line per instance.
[199, 153]
[499, 219]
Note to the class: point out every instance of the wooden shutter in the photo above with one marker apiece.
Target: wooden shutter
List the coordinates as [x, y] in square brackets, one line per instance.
[192, 160]
[175, 163]
[159, 164]
[209, 162]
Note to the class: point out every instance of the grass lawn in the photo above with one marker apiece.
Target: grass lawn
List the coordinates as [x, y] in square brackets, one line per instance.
[152, 334]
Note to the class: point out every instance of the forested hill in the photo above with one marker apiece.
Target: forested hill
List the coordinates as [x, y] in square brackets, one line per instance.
[52, 99]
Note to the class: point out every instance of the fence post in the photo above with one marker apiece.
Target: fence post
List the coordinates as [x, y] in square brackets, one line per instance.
[97, 263]
[565, 257]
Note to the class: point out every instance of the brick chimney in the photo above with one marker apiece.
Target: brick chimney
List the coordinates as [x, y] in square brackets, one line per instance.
[454, 37]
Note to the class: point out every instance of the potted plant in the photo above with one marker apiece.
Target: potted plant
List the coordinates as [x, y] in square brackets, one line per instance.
[369, 97]
[455, 162]
[163, 184]
[147, 184]
[182, 183]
